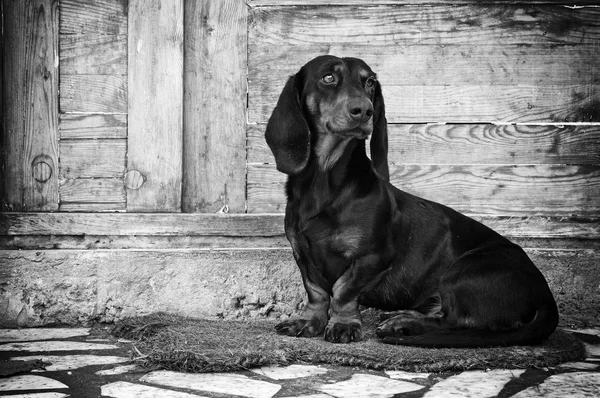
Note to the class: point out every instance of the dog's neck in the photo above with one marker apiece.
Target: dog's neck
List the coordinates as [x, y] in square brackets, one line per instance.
[318, 186]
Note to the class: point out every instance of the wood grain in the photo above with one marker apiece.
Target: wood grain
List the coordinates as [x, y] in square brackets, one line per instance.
[155, 103]
[270, 3]
[93, 159]
[30, 105]
[92, 194]
[441, 63]
[93, 93]
[93, 54]
[89, 126]
[415, 24]
[471, 104]
[248, 225]
[448, 64]
[519, 190]
[472, 144]
[214, 106]
[147, 224]
[98, 17]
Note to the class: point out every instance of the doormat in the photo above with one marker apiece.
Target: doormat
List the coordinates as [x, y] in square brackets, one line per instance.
[171, 342]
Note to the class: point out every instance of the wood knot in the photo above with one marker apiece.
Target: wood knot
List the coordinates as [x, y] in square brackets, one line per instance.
[133, 179]
[41, 170]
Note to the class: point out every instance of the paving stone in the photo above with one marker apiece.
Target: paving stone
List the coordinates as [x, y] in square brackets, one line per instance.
[223, 383]
[476, 384]
[579, 365]
[593, 332]
[572, 385]
[289, 372]
[39, 395]
[399, 374]
[70, 362]
[592, 350]
[118, 370]
[29, 382]
[311, 396]
[39, 346]
[40, 334]
[364, 385]
[123, 389]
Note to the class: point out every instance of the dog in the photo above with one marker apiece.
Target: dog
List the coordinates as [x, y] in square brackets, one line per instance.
[444, 279]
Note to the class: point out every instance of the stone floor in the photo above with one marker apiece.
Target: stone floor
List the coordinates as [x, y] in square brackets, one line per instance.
[81, 363]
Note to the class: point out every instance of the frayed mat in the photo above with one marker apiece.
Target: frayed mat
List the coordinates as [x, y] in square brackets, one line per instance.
[171, 342]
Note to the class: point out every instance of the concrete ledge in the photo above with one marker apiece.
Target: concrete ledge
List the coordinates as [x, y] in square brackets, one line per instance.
[44, 287]
[82, 286]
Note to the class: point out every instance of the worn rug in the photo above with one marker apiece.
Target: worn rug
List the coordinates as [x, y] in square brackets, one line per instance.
[171, 342]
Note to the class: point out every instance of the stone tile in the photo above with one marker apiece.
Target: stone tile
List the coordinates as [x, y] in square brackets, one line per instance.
[39, 346]
[223, 383]
[289, 372]
[40, 334]
[593, 332]
[364, 385]
[311, 396]
[579, 365]
[118, 370]
[399, 374]
[475, 384]
[123, 389]
[39, 395]
[592, 350]
[572, 385]
[29, 382]
[69, 362]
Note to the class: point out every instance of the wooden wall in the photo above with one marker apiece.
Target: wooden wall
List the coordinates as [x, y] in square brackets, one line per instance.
[134, 126]
[494, 110]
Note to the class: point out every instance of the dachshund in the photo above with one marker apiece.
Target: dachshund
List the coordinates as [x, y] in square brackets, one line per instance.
[444, 279]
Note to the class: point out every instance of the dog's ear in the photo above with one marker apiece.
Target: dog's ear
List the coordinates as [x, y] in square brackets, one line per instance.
[379, 138]
[287, 132]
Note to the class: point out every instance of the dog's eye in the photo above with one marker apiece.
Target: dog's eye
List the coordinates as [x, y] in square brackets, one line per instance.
[328, 79]
[370, 83]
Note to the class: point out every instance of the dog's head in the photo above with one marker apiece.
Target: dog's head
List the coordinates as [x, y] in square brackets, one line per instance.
[328, 102]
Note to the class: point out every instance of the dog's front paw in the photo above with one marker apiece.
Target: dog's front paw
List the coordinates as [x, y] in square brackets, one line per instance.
[300, 327]
[343, 332]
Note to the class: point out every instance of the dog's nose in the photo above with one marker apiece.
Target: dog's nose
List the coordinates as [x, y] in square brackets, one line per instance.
[360, 109]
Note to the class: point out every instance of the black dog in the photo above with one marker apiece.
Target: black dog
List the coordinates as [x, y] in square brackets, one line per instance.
[359, 240]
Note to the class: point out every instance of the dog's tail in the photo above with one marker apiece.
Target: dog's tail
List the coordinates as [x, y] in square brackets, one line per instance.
[532, 333]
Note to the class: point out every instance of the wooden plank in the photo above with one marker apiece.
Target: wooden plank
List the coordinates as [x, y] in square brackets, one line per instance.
[248, 225]
[215, 66]
[2, 111]
[182, 242]
[414, 24]
[454, 63]
[93, 159]
[448, 64]
[90, 126]
[271, 3]
[31, 106]
[473, 144]
[155, 242]
[471, 104]
[146, 224]
[93, 54]
[93, 93]
[155, 103]
[92, 194]
[98, 17]
[519, 190]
